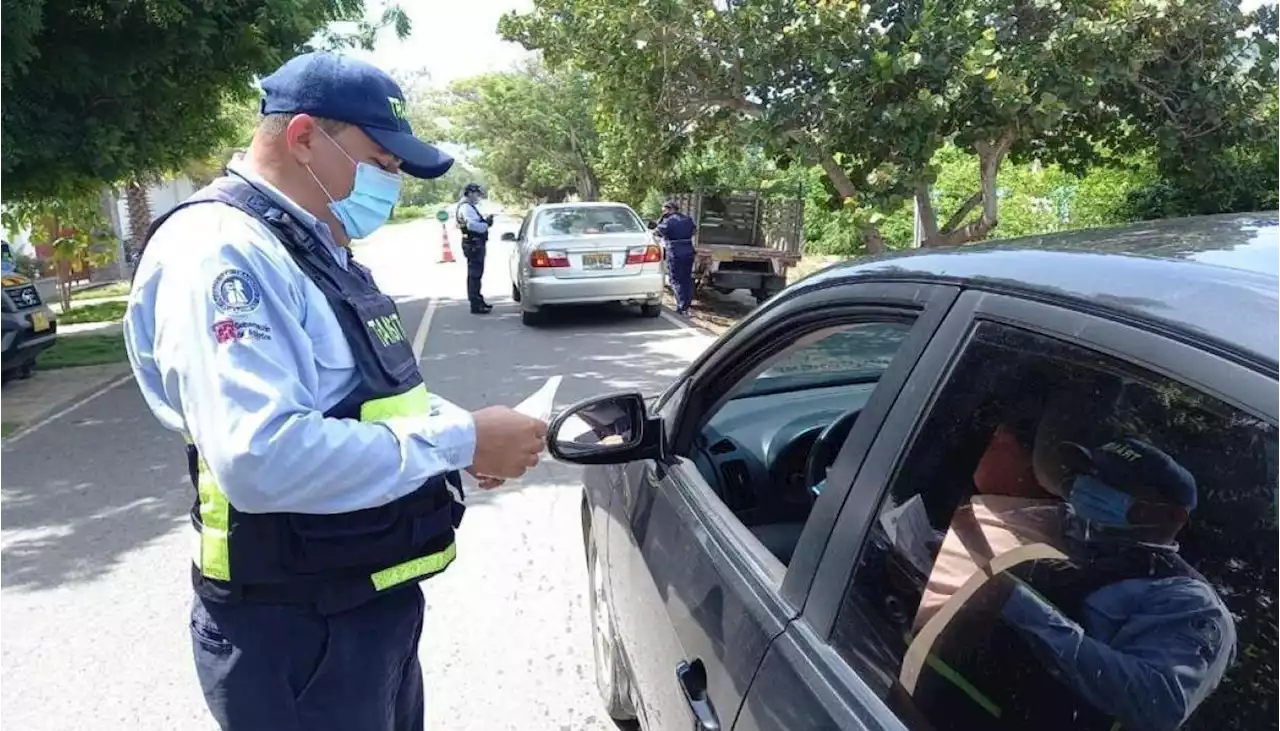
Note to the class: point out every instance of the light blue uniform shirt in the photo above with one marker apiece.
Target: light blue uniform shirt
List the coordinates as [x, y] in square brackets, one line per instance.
[470, 214]
[233, 344]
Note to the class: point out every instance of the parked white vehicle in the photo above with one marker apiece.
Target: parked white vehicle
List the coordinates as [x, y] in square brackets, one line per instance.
[582, 253]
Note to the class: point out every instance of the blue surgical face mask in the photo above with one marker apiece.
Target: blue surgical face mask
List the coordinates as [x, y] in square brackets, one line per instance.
[1097, 502]
[373, 194]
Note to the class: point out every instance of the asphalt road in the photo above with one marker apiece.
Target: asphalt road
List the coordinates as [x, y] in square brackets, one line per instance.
[95, 534]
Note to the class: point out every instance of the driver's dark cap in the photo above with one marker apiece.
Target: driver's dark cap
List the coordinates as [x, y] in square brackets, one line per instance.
[1137, 467]
[670, 206]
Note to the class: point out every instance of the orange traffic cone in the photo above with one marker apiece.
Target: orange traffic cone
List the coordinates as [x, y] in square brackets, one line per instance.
[446, 251]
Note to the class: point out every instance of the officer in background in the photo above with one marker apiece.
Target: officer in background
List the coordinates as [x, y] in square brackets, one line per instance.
[678, 230]
[475, 236]
[325, 472]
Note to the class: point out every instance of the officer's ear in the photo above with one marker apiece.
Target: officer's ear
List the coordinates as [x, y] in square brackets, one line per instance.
[301, 135]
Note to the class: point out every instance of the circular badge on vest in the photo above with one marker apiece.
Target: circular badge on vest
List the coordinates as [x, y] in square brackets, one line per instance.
[236, 292]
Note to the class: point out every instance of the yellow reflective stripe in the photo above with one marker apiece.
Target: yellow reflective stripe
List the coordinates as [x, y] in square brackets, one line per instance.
[413, 402]
[423, 565]
[977, 696]
[214, 557]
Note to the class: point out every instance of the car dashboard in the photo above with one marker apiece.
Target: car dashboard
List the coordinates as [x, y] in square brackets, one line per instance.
[754, 451]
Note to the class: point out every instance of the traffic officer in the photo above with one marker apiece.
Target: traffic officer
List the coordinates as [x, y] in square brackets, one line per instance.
[475, 236]
[678, 230]
[325, 471]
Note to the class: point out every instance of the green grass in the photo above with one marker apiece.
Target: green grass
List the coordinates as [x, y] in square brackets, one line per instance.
[410, 213]
[119, 289]
[83, 350]
[96, 312]
[8, 427]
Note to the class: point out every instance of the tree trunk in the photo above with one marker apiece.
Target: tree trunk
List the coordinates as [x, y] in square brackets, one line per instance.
[990, 155]
[139, 214]
[873, 240]
[588, 185]
[928, 218]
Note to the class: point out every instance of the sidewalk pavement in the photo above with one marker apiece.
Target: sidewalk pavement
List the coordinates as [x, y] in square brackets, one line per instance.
[28, 401]
[25, 403]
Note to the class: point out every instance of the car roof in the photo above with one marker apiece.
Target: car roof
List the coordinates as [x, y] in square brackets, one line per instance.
[1216, 278]
[583, 204]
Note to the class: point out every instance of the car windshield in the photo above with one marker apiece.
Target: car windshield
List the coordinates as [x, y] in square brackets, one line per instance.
[859, 354]
[587, 221]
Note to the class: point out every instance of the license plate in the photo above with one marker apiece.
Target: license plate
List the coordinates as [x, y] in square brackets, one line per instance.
[597, 261]
[39, 321]
[721, 255]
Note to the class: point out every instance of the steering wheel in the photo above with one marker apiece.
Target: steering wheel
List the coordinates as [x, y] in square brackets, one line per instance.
[826, 447]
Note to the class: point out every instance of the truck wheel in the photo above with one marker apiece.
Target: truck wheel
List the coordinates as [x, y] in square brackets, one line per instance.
[650, 310]
[27, 370]
[530, 319]
[761, 295]
[515, 292]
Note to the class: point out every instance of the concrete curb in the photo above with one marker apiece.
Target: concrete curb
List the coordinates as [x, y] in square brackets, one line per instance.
[109, 379]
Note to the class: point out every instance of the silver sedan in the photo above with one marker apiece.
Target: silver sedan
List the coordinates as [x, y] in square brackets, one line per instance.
[583, 253]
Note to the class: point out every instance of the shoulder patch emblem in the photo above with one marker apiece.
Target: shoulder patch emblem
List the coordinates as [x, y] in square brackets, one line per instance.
[236, 292]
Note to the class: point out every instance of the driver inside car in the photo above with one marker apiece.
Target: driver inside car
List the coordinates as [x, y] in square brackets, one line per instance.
[1103, 623]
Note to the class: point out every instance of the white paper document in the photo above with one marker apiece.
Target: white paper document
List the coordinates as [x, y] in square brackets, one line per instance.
[908, 527]
[540, 404]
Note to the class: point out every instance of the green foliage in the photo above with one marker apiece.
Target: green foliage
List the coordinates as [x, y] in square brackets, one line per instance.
[95, 93]
[116, 289]
[533, 130]
[873, 91]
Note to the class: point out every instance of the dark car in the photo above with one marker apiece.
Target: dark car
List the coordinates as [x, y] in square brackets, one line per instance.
[1026, 486]
[29, 325]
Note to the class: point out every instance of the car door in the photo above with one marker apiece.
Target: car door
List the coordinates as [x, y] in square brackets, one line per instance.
[696, 594]
[980, 431]
[517, 252]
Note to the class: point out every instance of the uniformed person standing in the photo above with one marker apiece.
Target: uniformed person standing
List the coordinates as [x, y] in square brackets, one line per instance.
[475, 237]
[324, 470]
[678, 230]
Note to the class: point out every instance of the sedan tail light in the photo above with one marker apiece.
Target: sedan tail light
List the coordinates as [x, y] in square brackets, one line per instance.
[540, 259]
[644, 255]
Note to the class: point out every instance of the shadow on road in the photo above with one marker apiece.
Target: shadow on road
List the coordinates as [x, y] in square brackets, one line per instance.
[86, 490]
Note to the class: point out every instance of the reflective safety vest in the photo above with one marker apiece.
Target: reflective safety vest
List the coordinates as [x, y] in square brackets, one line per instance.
[333, 562]
[980, 673]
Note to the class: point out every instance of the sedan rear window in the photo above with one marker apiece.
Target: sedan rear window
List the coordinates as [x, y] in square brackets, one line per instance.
[587, 221]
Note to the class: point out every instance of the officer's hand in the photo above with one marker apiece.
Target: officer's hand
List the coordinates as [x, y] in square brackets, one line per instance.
[507, 442]
[489, 219]
[485, 482]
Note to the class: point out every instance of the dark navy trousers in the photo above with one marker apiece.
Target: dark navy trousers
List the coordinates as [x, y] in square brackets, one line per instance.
[274, 667]
[475, 254]
[680, 269]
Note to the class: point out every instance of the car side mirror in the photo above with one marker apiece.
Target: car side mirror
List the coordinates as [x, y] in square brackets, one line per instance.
[652, 224]
[509, 236]
[606, 430]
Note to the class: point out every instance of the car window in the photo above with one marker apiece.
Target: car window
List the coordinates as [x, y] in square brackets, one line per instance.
[588, 220]
[758, 450]
[524, 228]
[1071, 542]
[859, 353]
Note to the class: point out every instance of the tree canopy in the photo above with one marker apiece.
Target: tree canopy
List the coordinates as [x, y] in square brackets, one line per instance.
[95, 92]
[533, 129]
[872, 91]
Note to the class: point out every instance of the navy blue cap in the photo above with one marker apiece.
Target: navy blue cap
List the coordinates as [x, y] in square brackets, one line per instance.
[1131, 462]
[348, 90]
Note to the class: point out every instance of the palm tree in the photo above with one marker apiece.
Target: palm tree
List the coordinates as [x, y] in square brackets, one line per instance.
[135, 194]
